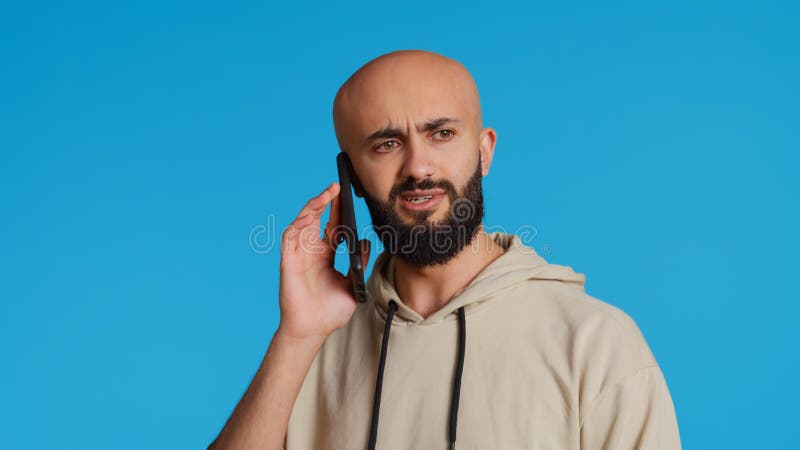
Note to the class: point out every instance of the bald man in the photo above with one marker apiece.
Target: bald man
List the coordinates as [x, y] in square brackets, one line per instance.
[544, 365]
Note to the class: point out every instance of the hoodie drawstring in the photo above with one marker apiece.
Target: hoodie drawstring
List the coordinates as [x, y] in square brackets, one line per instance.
[462, 344]
[376, 404]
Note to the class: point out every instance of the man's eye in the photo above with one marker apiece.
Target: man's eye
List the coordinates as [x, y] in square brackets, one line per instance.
[444, 134]
[387, 146]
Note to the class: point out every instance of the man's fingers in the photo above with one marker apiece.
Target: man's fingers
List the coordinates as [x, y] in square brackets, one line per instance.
[335, 216]
[332, 234]
[296, 231]
[317, 204]
[315, 207]
[290, 238]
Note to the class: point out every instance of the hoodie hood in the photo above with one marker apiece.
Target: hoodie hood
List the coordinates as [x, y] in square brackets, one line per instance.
[518, 264]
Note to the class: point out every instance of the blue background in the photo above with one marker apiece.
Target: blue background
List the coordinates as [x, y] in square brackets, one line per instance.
[653, 147]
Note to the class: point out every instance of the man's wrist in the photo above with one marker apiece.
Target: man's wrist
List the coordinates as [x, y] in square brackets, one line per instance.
[313, 342]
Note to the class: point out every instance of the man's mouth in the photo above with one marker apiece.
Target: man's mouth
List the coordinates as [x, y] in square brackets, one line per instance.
[421, 200]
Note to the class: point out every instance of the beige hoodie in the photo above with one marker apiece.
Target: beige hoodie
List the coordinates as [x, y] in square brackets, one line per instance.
[546, 366]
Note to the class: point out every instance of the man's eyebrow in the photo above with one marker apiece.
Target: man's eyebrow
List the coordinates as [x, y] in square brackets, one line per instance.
[390, 132]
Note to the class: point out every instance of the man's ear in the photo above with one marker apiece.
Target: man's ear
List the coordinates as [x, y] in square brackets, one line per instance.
[488, 140]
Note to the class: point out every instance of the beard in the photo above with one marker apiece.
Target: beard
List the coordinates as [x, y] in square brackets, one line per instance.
[423, 243]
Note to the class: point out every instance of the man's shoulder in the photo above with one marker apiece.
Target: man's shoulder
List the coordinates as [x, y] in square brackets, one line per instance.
[590, 325]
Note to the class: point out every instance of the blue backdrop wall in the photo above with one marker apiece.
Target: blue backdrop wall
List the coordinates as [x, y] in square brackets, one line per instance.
[151, 150]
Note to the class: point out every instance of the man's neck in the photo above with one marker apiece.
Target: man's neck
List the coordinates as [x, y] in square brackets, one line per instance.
[427, 289]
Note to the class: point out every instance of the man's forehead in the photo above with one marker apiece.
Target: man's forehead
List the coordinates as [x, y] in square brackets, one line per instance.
[404, 89]
[414, 115]
[367, 111]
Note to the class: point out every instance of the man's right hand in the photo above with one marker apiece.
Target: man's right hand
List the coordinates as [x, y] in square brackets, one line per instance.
[315, 299]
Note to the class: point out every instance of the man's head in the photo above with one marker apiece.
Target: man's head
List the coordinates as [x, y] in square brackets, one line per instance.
[411, 123]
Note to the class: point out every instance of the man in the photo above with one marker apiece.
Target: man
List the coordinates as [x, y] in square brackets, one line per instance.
[491, 346]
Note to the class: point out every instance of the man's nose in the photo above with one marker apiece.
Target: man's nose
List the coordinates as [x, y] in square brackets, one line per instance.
[418, 163]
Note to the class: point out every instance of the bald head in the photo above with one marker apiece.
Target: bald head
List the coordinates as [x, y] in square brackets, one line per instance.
[405, 84]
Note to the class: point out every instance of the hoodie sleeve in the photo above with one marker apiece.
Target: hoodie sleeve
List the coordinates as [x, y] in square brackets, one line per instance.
[635, 413]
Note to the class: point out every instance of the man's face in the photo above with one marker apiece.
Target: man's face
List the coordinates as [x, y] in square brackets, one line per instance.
[416, 144]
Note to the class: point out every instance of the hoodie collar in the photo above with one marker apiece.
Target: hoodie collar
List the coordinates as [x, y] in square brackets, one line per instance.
[519, 263]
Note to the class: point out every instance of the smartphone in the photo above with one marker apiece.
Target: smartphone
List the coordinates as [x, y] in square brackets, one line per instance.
[348, 181]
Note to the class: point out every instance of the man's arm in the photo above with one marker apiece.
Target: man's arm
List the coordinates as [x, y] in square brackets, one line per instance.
[635, 413]
[315, 300]
[262, 416]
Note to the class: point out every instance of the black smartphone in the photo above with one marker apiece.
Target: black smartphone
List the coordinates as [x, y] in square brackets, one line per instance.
[347, 212]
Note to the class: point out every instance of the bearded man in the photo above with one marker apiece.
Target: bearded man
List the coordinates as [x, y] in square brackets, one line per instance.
[492, 347]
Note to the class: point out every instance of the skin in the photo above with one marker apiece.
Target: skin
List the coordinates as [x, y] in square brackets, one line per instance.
[405, 90]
